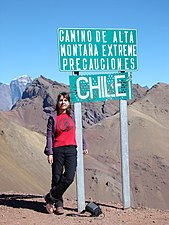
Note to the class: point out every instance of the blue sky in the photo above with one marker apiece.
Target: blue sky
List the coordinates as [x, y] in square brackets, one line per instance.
[28, 39]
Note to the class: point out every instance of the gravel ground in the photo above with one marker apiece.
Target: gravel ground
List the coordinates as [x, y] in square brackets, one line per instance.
[26, 209]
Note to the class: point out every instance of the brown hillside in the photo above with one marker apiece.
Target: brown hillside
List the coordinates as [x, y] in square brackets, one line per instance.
[148, 148]
[23, 166]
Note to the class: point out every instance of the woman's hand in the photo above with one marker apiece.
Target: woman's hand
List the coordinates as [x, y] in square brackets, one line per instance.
[85, 151]
[50, 159]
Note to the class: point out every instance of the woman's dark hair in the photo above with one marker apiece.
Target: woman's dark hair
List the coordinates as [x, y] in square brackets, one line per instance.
[67, 96]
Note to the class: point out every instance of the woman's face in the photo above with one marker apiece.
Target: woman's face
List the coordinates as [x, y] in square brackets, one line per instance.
[63, 104]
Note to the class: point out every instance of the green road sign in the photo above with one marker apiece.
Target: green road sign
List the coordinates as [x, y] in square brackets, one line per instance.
[89, 49]
[102, 87]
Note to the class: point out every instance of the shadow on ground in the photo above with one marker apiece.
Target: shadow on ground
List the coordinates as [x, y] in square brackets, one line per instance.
[23, 201]
[33, 202]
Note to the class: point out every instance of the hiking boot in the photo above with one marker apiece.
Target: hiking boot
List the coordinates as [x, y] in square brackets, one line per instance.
[48, 199]
[50, 207]
[59, 210]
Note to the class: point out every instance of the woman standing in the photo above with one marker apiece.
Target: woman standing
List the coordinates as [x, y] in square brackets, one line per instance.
[61, 151]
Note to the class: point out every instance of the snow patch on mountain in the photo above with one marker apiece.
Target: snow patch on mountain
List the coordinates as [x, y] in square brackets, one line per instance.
[11, 93]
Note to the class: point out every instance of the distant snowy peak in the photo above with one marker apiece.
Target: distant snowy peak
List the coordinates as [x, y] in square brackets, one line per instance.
[18, 86]
[23, 80]
[11, 93]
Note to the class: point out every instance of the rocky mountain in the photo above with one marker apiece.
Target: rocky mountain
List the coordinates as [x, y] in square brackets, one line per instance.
[39, 99]
[24, 90]
[11, 93]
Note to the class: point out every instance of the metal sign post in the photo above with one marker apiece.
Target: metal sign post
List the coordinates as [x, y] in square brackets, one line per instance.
[124, 154]
[90, 88]
[80, 164]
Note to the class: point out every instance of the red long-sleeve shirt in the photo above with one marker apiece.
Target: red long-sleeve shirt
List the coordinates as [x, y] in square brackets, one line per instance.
[65, 131]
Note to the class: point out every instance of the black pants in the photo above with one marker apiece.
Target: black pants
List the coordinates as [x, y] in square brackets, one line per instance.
[63, 171]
